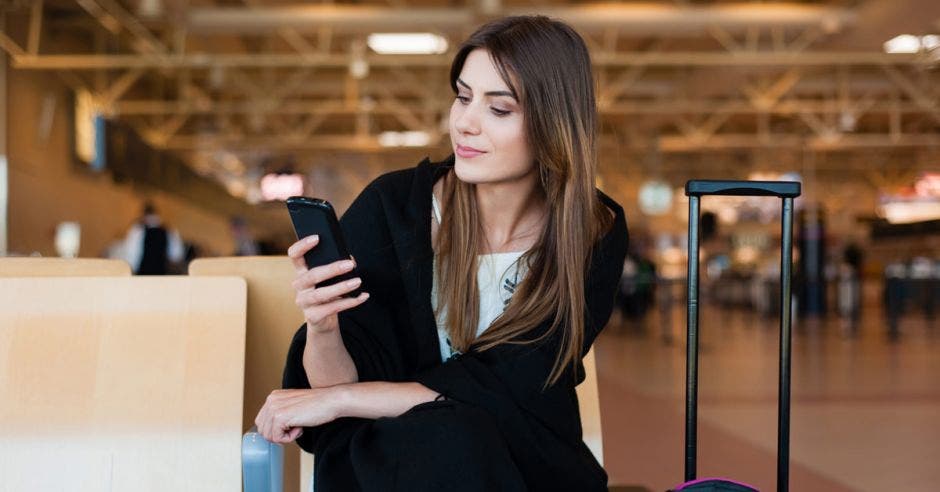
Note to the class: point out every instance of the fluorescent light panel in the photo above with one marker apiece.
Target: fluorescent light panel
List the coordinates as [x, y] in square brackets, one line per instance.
[404, 139]
[417, 43]
[909, 43]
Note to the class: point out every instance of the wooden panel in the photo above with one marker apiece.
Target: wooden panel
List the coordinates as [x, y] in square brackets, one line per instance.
[590, 407]
[63, 267]
[272, 320]
[121, 383]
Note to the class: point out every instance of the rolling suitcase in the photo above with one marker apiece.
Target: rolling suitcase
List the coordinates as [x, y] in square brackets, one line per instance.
[786, 191]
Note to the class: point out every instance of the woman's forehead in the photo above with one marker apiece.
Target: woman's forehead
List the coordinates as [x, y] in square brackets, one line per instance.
[480, 73]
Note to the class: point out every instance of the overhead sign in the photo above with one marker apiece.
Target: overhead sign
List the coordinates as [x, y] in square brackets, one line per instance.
[281, 186]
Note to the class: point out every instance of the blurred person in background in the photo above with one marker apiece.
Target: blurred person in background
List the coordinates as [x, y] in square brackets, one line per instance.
[245, 244]
[151, 248]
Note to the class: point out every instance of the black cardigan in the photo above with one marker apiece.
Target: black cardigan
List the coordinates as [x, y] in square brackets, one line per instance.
[393, 337]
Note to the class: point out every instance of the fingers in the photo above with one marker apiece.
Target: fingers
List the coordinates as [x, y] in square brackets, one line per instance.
[297, 250]
[310, 278]
[295, 433]
[322, 295]
[273, 418]
[320, 312]
[268, 419]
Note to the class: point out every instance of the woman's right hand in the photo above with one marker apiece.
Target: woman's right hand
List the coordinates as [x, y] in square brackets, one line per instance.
[321, 305]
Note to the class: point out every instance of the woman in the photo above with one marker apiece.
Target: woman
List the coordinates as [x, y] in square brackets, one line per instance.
[490, 275]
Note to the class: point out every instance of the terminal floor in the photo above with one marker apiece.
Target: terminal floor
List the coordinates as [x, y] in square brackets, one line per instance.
[865, 408]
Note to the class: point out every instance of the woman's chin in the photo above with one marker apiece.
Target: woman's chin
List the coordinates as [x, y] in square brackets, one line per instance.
[469, 172]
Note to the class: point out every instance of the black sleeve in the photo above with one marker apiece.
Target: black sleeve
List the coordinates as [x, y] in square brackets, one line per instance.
[374, 352]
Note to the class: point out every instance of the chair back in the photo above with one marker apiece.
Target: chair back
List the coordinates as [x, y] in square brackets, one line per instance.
[272, 320]
[590, 406]
[121, 383]
[62, 267]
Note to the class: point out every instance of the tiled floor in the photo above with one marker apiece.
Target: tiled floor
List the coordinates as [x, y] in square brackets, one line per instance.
[865, 409]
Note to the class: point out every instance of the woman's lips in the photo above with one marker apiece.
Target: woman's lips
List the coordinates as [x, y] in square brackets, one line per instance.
[468, 152]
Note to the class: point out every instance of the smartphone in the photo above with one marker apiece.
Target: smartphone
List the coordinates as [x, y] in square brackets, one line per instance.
[314, 216]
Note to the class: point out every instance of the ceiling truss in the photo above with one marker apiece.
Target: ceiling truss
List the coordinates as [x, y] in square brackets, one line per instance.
[236, 79]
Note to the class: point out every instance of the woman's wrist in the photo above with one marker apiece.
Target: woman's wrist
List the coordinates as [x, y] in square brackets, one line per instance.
[339, 397]
[376, 399]
[326, 339]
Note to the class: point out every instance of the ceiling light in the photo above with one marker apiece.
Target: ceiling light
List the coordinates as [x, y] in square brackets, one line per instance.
[908, 43]
[407, 43]
[404, 139]
[358, 68]
[930, 42]
[906, 212]
[150, 8]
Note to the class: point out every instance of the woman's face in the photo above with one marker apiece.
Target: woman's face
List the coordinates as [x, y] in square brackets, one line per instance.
[487, 128]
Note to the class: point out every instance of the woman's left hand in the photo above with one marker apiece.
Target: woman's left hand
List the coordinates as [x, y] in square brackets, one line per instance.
[286, 412]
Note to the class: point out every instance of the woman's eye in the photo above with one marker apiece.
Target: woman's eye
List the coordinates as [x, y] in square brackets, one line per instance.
[463, 99]
[500, 112]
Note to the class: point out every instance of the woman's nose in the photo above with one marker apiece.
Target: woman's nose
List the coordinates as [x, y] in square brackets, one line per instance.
[468, 121]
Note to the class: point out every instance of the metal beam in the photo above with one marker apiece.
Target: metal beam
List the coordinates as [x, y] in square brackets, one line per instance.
[121, 86]
[666, 144]
[789, 107]
[758, 59]
[274, 142]
[678, 106]
[6, 42]
[604, 59]
[726, 142]
[765, 98]
[612, 90]
[920, 97]
[289, 35]
[35, 27]
[648, 19]
[114, 17]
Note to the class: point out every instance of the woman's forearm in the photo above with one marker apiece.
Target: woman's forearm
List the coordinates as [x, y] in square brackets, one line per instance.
[376, 399]
[326, 360]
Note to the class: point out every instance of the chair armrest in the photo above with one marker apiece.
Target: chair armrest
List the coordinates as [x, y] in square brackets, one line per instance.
[262, 464]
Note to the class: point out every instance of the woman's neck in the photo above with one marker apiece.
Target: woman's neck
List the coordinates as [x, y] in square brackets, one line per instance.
[512, 213]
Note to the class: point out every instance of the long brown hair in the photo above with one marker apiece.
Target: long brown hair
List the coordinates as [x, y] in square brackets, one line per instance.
[556, 91]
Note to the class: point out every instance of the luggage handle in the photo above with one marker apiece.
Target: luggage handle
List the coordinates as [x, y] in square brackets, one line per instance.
[787, 191]
[781, 189]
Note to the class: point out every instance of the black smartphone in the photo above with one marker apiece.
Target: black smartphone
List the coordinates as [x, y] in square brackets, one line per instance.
[314, 216]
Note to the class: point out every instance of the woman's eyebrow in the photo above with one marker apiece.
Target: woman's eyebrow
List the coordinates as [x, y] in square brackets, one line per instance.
[490, 93]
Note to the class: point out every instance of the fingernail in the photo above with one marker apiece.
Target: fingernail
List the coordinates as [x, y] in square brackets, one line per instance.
[354, 282]
[312, 239]
[365, 295]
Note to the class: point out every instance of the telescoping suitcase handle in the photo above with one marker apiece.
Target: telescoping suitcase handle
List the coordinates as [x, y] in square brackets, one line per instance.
[781, 189]
[786, 191]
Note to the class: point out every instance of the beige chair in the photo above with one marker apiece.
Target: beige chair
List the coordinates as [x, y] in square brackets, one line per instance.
[121, 383]
[272, 320]
[590, 407]
[62, 267]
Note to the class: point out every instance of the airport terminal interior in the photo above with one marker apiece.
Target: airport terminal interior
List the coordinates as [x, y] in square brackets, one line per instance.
[200, 117]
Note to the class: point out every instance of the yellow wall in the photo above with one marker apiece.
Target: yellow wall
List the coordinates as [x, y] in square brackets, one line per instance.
[48, 187]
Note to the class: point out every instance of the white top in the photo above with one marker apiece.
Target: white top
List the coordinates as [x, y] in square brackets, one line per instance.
[498, 274]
